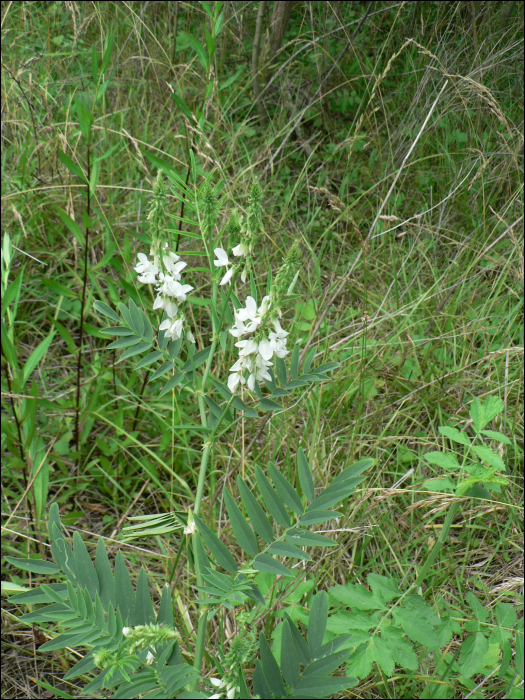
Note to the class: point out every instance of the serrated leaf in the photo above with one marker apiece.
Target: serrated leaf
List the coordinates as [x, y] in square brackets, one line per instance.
[305, 475]
[317, 622]
[445, 460]
[264, 562]
[454, 434]
[497, 436]
[360, 662]
[285, 490]
[220, 552]
[258, 519]
[342, 621]
[489, 456]
[401, 649]
[242, 531]
[357, 597]
[387, 587]
[271, 499]
[473, 651]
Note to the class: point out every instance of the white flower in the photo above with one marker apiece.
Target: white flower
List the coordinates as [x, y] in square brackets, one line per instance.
[233, 381]
[171, 287]
[190, 336]
[247, 347]
[190, 528]
[222, 258]
[244, 275]
[238, 329]
[150, 658]
[227, 277]
[249, 312]
[126, 631]
[173, 327]
[166, 303]
[172, 264]
[241, 249]
[147, 270]
[217, 682]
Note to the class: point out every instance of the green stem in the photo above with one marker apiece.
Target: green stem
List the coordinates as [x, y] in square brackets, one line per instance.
[439, 544]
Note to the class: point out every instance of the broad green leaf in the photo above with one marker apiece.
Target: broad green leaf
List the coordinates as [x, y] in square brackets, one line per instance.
[473, 651]
[305, 475]
[271, 499]
[260, 684]
[36, 566]
[383, 655]
[285, 490]
[242, 531]
[357, 597]
[322, 686]
[305, 538]
[106, 310]
[455, 435]
[387, 587]
[280, 368]
[36, 356]
[445, 460]
[264, 562]
[219, 550]
[416, 624]
[258, 519]
[285, 549]
[289, 659]
[342, 621]
[479, 611]
[400, 648]
[489, 456]
[317, 622]
[360, 662]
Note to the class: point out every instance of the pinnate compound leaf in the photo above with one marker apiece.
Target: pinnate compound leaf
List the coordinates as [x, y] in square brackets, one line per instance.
[242, 531]
[219, 550]
[270, 669]
[305, 475]
[494, 435]
[360, 662]
[455, 435]
[446, 628]
[473, 651]
[317, 622]
[419, 627]
[383, 655]
[258, 519]
[342, 621]
[285, 490]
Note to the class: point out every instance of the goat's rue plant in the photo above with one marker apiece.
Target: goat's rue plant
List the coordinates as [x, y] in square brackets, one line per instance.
[133, 649]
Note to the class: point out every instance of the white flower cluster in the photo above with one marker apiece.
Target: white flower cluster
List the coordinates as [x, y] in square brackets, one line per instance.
[170, 291]
[240, 250]
[255, 355]
[231, 688]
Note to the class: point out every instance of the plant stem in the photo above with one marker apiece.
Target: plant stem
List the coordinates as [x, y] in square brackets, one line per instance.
[440, 542]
